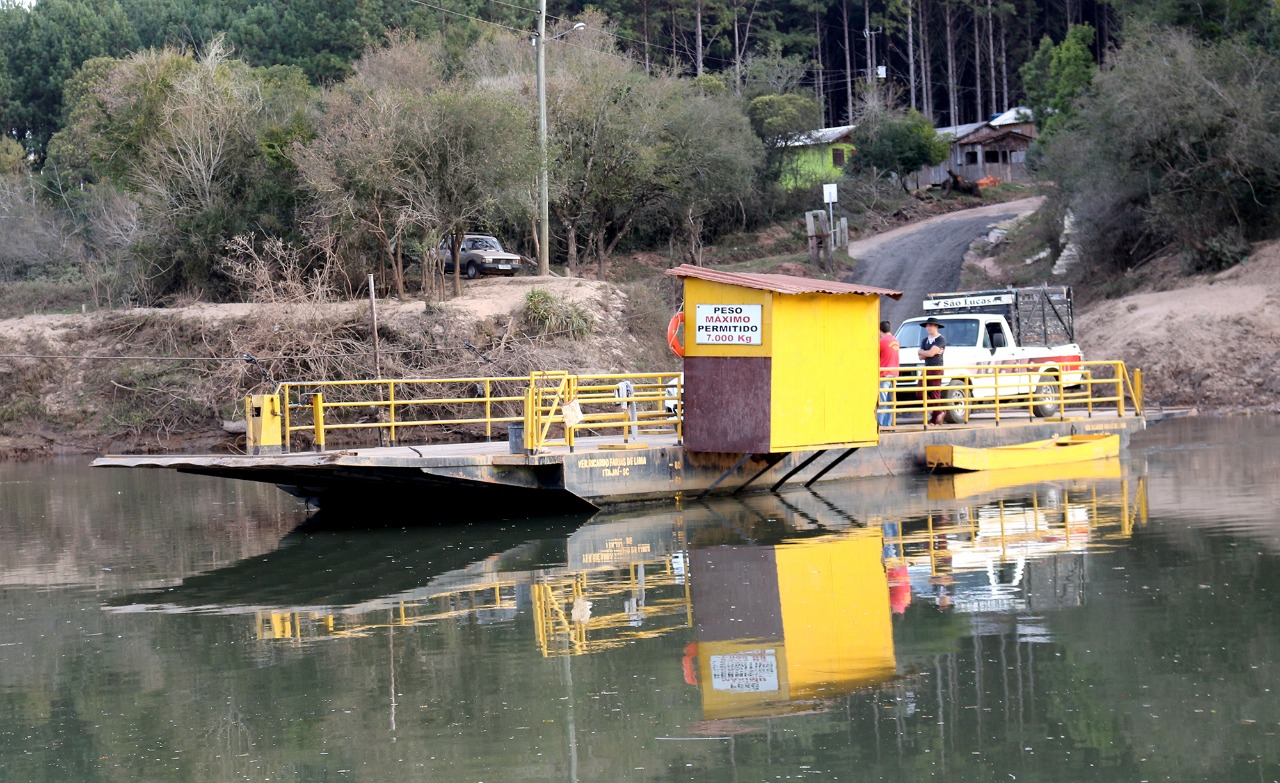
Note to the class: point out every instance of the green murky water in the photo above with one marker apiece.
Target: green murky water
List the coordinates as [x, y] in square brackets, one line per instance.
[1114, 622]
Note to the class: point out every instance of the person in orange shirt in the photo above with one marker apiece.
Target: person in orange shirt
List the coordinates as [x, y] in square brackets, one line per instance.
[888, 371]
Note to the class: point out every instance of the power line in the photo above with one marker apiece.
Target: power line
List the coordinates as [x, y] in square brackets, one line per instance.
[616, 36]
[472, 18]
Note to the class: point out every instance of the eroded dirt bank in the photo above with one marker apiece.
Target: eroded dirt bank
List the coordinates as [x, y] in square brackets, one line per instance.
[174, 379]
[169, 379]
[1211, 341]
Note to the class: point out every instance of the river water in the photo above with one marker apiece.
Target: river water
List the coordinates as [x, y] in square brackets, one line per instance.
[1116, 621]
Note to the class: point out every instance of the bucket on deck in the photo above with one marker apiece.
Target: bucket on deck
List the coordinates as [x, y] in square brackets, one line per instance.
[515, 437]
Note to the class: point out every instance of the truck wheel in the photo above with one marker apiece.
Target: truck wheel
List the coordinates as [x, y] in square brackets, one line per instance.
[472, 271]
[957, 400]
[1045, 405]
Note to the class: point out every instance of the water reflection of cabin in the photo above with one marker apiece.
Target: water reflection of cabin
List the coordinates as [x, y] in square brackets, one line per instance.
[780, 627]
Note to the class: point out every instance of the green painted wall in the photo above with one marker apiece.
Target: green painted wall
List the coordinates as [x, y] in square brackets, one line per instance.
[808, 166]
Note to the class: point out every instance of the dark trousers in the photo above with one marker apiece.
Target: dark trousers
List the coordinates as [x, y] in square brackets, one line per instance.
[933, 383]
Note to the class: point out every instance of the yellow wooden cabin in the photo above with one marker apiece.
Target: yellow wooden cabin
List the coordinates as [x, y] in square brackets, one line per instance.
[775, 363]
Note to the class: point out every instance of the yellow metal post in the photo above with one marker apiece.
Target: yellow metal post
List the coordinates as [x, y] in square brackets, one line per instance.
[391, 407]
[530, 418]
[571, 395]
[317, 419]
[1137, 393]
[284, 410]
[488, 410]
[264, 424]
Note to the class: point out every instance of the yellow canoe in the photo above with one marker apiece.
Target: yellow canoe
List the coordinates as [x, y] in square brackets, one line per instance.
[957, 486]
[1055, 451]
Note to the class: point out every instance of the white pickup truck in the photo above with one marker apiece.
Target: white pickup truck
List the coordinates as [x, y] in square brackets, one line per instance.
[1029, 331]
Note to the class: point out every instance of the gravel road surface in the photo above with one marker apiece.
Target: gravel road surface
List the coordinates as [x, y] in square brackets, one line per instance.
[925, 257]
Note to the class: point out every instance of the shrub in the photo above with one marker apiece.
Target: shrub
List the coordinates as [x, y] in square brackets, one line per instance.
[1176, 147]
[550, 316]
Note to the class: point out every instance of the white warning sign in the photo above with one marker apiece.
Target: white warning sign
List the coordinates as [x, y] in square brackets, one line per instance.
[723, 324]
[745, 672]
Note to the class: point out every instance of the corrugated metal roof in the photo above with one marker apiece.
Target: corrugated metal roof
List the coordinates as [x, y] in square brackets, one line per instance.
[958, 131]
[1014, 116]
[820, 136]
[782, 284]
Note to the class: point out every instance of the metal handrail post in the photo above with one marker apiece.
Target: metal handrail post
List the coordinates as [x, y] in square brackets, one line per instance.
[530, 417]
[249, 440]
[488, 409]
[317, 419]
[391, 403]
[995, 391]
[284, 411]
[1137, 392]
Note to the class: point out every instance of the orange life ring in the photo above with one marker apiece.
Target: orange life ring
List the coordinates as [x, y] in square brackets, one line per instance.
[673, 334]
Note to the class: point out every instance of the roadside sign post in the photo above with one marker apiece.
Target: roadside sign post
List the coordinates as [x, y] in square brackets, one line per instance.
[830, 196]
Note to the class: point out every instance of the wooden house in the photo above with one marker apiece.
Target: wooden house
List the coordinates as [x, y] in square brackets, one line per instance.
[816, 157]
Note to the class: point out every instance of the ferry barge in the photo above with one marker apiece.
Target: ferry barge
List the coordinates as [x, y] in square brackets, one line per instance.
[780, 387]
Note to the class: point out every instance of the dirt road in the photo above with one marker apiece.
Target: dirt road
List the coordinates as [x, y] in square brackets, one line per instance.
[925, 257]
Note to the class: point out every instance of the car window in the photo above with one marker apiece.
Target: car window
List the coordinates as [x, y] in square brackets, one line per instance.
[962, 332]
[909, 335]
[486, 244]
[958, 331]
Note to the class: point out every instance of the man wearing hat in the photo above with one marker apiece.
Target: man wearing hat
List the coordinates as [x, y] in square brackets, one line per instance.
[931, 348]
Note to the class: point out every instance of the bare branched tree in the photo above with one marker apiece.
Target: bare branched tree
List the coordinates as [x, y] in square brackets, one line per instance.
[203, 125]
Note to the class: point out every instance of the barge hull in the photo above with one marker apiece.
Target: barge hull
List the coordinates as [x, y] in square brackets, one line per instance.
[485, 480]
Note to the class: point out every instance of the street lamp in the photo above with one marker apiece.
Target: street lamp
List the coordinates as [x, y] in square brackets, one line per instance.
[544, 197]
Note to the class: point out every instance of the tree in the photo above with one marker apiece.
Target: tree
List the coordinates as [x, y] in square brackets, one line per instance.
[1176, 147]
[892, 141]
[1209, 20]
[605, 121]
[778, 121]
[466, 174]
[196, 142]
[13, 158]
[361, 150]
[34, 241]
[44, 45]
[1056, 75]
[408, 156]
[773, 73]
[700, 172]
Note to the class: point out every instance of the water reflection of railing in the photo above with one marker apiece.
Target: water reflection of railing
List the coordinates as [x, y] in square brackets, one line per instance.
[491, 601]
[596, 610]
[629, 579]
[975, 557]
[623, 581]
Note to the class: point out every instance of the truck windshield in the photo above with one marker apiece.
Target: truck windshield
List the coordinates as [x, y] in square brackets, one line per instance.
[958, 331]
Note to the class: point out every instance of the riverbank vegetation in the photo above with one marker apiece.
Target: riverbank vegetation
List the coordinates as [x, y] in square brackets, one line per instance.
[147, 151]
[283, 155]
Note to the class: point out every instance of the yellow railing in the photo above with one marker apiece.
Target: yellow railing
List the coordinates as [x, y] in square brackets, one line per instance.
[1011, 391]
[551, 407]
[547, 409]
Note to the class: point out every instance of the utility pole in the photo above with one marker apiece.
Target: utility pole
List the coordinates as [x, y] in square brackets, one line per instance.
[544, 194]
[544, 197]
